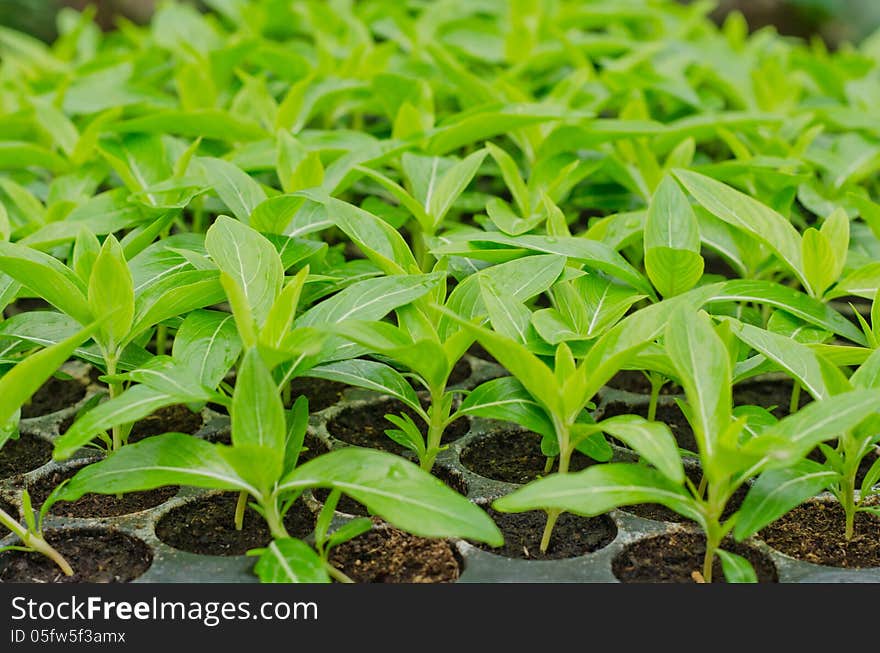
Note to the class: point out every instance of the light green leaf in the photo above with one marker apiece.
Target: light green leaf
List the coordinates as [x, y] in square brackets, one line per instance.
[371, 375]
[736, 568]
[238, 191]
[653, 441]
[289, 561]
[111, 292]
[257, 411]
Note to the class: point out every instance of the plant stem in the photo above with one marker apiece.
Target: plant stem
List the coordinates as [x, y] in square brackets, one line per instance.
[420, 250]
[285, 394]
[848, 497]
[564, 459]
[35, 542]
[712, 544]
[274, 520]
[548, 466]
[336, 574]
[795, 398]
[115, 389]
[161, 339]
[240, 507]
[656, 383]
[436, 426]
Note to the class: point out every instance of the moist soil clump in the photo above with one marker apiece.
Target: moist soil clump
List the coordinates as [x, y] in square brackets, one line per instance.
[814, 532]
[678, 558]
[95, 556]
[54, 395]
[513, 457]
[207, 526]
[388, 555]
[670, 415]
[23, 455]
[659, 512]
[96, 505]
[573, 535]
[365, 426]
[772, 395]
[320, 393]
[170, 419]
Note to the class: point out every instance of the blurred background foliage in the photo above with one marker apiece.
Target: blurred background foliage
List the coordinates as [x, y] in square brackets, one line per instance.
[836, 21]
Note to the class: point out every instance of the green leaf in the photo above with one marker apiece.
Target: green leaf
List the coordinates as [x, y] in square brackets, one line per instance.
[194, 123]
[297, 426]
[370, 375]
[440, 198]
[818, 260]
[283, 311]
[509, 318]
[598, 489]
[159, 461]
[111, 292]
[512, 178]
[257, 411]
[743, 212]
[398, 491]
[653, 441]
[507, 399]
[289, 561]
[238, 191]
[704, 371]
[207, 344]
[776, 492]
[736, 568]
[250, 260]
[174, 295]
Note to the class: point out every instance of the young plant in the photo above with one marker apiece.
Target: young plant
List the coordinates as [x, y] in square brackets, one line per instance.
[16, 388]
[262, 462]
[730, 453]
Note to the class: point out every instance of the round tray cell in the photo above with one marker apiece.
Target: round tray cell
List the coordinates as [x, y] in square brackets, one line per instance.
[321, 393]
[678, 558]
[96, 556]
[207, 526]
[23, 455]
[54, 395]
[775, 396]
[572, 536]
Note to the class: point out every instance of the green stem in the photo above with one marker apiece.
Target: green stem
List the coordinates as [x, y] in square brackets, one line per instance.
[795, 398]
[656, 383]
[285, 394]
[436, 426]
[848, 496]
[35, 542]
[115, 389]
[240, 507]
[420, 250]
[336, 574]
[161, 339]
[274, 520]
[548, 466]
[713, 541]
[564, 459]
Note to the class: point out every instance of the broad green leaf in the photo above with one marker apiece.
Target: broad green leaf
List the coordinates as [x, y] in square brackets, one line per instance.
[257, 411]
[174, 295]
[605, 302]
[512, 178]
[169, 459]
[440, 197]
[509, 317]
[207, 344]
[653, 441]
[750, 215]
[371, 375]
[704, 371]
[238, 191]
[194, 123]
[819, 261]
[672, 241]
[46, 277]
[250, 260]
[776, 492]
[506, 399]
[736, 568]
[283, 311]
[111, 292]
[398, 491]
[289, 561]
[598, 489]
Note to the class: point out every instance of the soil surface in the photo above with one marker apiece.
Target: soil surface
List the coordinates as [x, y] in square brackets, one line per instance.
[365, 425]
[678, 558]
[171, 419]
[480, 352]
[659, 512]
[388, 555]
[347, 505]
[23, 455]
[814, 532]
[321, 393]
[573, 535]
[864, 466]
[637, 383]
[95, 556]
[513, 456]
[670, 415]
[207, 526]
[96, 505]
[11, 511]
[54, 395]
[772, 395]
[461, 372]
[312, 446]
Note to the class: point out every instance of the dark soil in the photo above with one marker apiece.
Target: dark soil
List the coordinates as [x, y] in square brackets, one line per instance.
[95, 556]
[637, 383]
[573, 535]
[452, 478]
[814, 532]
[460, 372]
[321, 393]
[10, 510]
[96, 505]
[207, 526]
[678, 558]
[513, 457]
[312, 446]
[772, 395]
[659, 512]
[365, 425]
[864, 466]
[54, 395]
[388, 555]
[670, 415]
[23, 455]
[480, 352]
[171, 419]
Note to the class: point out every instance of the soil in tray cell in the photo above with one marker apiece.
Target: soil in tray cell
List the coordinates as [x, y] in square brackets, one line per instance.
[170, 419]
[349, 506]
[10, 510]
[678, 558]
[637, 383]
[480, 352]
[670, 415]
[207, 526]
[864, 466]
[96, 556]
[814, 532]
[54, 395]
[388, 555]
[95, 505]
[461, 372]
[23, 455]
[321, 393]
[513, 456]
[573, 535]
[365, 425]
[772, 395]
